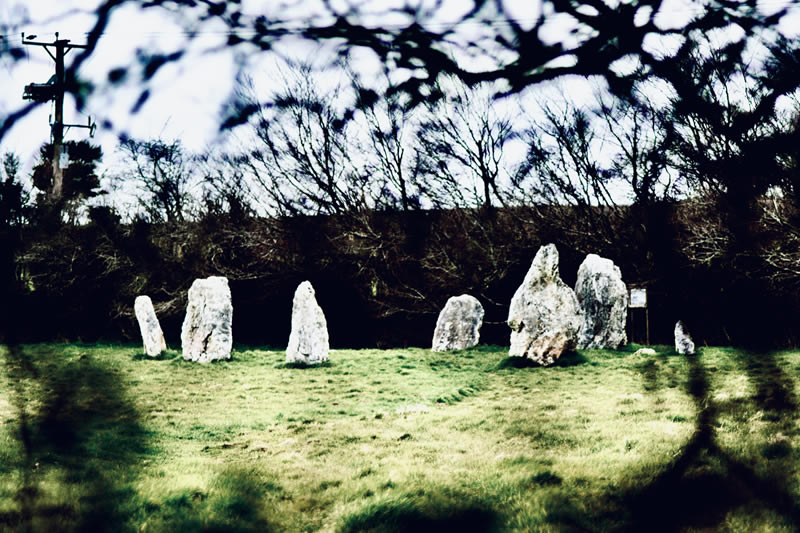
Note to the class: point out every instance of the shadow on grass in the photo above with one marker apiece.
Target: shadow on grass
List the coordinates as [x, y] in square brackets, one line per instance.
[656, 373]
[415, 514]
[566, 360]
[704, 482]
[774, 388]
[302, 366]
[78, 443]
[169, 355]
[237, 502]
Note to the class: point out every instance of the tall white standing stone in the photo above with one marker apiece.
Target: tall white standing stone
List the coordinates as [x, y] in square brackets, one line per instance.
[459, 324]
[545, 317]
[684, 344]
[206, 334]
[152, 336]
[308, 340]
[604, 300]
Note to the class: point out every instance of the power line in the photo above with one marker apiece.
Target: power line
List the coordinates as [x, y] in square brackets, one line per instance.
[54, 91]
[506, 21]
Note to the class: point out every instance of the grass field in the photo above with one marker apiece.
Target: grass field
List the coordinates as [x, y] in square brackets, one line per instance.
[96, 437]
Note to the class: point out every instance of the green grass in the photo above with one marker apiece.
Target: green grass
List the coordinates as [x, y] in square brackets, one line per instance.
[101, 438]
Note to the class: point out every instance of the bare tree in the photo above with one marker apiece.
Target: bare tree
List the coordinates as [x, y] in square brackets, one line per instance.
[388, 153]
[304, 161]
[564, 180]
[728, 145]
[224, 187]
[641, 136]
[161, 171]
[788, 152]
[460, 146]
[780, 209]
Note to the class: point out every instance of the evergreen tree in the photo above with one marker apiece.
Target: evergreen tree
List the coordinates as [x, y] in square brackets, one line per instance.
[13, 196]
[81, 181]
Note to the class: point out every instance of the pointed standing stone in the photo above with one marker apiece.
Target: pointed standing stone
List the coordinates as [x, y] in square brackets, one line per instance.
[545, 317]
[152, 336]
[684, 344]
[604, 300]
[206, 334]
[459, 324]
[308, 340]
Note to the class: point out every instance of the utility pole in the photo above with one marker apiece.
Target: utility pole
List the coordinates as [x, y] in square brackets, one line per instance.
[54, 90]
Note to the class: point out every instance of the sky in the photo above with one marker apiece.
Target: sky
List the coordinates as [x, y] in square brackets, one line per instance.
[186, 98]
[188, 95]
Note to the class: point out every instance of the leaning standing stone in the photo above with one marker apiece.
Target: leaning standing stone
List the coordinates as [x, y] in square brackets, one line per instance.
[683, 341]
[459, 324]
[206, 333]
[545, 317]
[604, 300]
[308, 340]
[152, 336]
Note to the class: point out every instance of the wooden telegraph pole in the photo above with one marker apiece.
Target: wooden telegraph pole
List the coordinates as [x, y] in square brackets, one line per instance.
[54, 90]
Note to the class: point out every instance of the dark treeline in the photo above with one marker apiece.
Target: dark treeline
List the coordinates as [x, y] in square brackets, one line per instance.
[394, 193]
[381, 278]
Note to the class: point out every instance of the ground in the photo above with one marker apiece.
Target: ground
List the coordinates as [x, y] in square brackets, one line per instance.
[102, 437]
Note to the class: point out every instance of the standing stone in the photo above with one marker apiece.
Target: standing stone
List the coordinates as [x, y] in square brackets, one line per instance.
[604, 300]
[545, 317]
[152, 336]
[683, 341]
[308, 341]
[206, 333]
[459, 324]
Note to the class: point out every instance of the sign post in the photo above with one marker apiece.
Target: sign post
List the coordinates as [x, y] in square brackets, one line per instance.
[638, 300]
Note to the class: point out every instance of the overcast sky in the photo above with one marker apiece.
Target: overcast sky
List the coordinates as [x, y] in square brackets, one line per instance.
[187, 95]
[186, 98]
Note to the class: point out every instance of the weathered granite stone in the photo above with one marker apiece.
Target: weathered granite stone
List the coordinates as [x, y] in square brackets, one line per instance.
[545, 317]
[549, 346]
[206, 334]
[683, 341]
[604, 300]
[308, 340]
[459, 324]
[152, 336]
[645, 351]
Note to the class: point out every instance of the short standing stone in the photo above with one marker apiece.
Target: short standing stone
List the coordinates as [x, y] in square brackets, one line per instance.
[152, 336]
[604, 300]
[683, 341]
[545, 317]
[206, 334]
[308, 340]
[459, 324]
